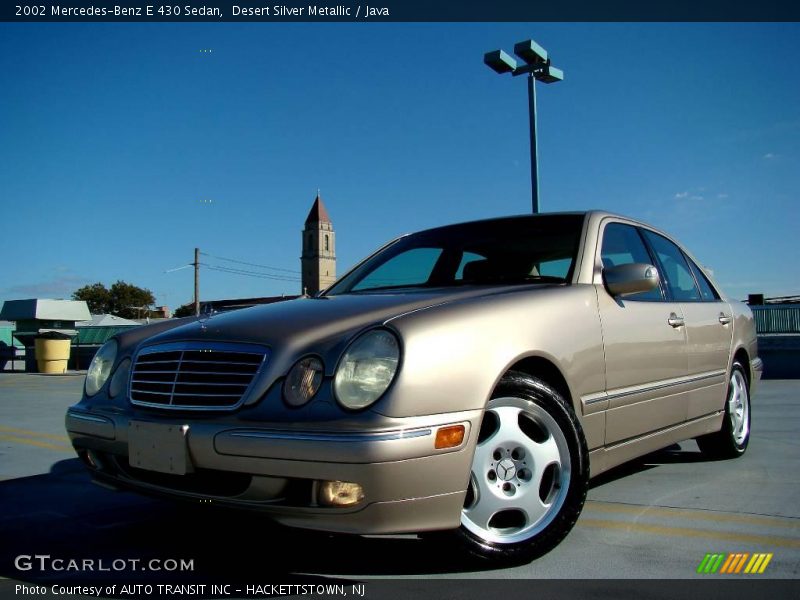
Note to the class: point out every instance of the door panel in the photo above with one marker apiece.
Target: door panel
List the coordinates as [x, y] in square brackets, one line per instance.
[709, 345]
[646, 366]
[645, 346]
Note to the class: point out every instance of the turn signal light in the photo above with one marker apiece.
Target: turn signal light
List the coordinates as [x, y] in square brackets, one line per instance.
[449, 437]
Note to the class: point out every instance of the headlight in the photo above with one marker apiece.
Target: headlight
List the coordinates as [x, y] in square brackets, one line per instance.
[366, 369]
[100, 368]
[303, 381]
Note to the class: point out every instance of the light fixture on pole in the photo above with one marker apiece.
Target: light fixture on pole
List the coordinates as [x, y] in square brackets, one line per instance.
[537, 66]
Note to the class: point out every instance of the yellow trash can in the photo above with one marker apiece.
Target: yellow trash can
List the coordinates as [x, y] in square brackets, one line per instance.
[52, 355]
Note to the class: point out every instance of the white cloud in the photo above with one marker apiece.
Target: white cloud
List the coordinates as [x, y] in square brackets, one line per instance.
[769, 156]
[722, 196]
[681, 195]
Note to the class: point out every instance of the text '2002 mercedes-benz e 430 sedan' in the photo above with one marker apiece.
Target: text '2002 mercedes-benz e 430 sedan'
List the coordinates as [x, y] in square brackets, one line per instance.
[467, 380]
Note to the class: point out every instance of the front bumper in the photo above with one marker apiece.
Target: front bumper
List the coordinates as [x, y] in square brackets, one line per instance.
[408, 484]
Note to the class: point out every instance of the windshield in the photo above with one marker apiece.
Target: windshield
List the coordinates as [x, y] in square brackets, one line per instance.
[500, 251]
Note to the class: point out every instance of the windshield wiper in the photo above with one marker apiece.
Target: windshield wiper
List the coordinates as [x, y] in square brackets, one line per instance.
[545, 278]
[511, 279]
[387, 287]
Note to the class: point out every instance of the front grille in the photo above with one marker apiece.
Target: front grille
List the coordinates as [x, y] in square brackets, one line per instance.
[194, 375]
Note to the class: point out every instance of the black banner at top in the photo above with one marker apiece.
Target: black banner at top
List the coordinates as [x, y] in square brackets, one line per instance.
[395, 10]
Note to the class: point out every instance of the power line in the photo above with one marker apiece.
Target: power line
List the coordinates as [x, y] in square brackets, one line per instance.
[249, 273]
[242, 262]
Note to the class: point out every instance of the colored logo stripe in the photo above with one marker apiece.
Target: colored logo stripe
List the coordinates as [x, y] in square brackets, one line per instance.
[734, 563]
[710, 563]
[758, 564]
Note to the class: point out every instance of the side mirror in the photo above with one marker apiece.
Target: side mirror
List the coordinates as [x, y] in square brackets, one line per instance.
[630, 279]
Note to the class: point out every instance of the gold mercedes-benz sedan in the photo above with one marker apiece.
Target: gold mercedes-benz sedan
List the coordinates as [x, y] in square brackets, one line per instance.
[466, 380]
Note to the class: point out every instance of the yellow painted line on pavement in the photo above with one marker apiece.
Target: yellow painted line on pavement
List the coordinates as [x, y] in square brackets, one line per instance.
[685, 513]
[35, 434]
[37, 443]
[763, 540]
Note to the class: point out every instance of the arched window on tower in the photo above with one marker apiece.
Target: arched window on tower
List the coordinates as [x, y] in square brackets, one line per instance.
[327, 246]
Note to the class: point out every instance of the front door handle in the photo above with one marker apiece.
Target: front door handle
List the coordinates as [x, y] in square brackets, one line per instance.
[724, 319]
[675, 321]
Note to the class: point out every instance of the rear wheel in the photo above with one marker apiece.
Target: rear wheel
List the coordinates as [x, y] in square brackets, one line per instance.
[731, 441]
[529, 474]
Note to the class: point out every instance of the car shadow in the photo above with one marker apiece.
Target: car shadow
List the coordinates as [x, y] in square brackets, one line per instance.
[685, 453]
[63, 515]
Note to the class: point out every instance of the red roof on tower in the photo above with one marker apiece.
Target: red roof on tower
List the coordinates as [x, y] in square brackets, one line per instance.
[318, 214]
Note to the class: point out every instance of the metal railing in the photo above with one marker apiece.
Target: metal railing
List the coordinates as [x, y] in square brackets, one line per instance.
[777, 318]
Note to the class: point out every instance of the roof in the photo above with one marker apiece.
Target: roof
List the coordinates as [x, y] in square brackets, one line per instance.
[107, 320]
[318, 213]
[44, 309]
[91, 336]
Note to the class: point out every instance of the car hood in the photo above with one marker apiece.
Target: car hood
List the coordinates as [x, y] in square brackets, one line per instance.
[321, 326]
[321, 322]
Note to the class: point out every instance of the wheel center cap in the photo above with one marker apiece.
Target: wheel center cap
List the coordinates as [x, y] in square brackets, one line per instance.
[506, 469]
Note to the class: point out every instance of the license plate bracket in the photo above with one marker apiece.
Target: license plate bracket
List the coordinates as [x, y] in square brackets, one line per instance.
[159, 447]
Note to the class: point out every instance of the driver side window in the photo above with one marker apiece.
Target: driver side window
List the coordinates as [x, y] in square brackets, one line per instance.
[622, 245]
[677, 275]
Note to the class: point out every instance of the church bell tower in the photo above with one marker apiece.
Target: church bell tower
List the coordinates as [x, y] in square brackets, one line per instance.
[318, 261]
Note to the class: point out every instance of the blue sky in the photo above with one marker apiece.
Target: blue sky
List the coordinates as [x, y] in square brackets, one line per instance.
[125, 146]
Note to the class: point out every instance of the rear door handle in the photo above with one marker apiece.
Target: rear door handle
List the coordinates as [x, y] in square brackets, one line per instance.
[675, 321]
[724, 319]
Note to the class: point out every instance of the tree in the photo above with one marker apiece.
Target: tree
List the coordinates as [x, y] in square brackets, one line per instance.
[97, 297]
[130, 301]
[185, 310]
[123, 299]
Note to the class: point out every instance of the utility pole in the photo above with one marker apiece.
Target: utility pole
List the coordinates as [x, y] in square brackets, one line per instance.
[196, 264]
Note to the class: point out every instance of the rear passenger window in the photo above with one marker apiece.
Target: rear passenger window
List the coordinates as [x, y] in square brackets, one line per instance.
[676, 271]
[706, 291]
[622, 245]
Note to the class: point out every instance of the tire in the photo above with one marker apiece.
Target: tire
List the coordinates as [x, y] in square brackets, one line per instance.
[732, 439]
[529, 475]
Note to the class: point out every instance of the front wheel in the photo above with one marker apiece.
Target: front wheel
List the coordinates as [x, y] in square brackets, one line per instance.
[731, 441]
[529, 474]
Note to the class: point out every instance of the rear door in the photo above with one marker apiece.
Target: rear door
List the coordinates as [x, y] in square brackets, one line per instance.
[708, 323]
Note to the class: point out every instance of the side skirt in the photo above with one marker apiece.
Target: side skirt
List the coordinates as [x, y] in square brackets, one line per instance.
[603, 459]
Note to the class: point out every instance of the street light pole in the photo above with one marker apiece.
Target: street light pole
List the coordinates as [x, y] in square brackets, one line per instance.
[534, 146]
[196, 264]
[537, 67]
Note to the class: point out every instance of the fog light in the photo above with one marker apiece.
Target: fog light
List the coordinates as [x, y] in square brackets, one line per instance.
[92, 460]
[339, 493]
[449, 437]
